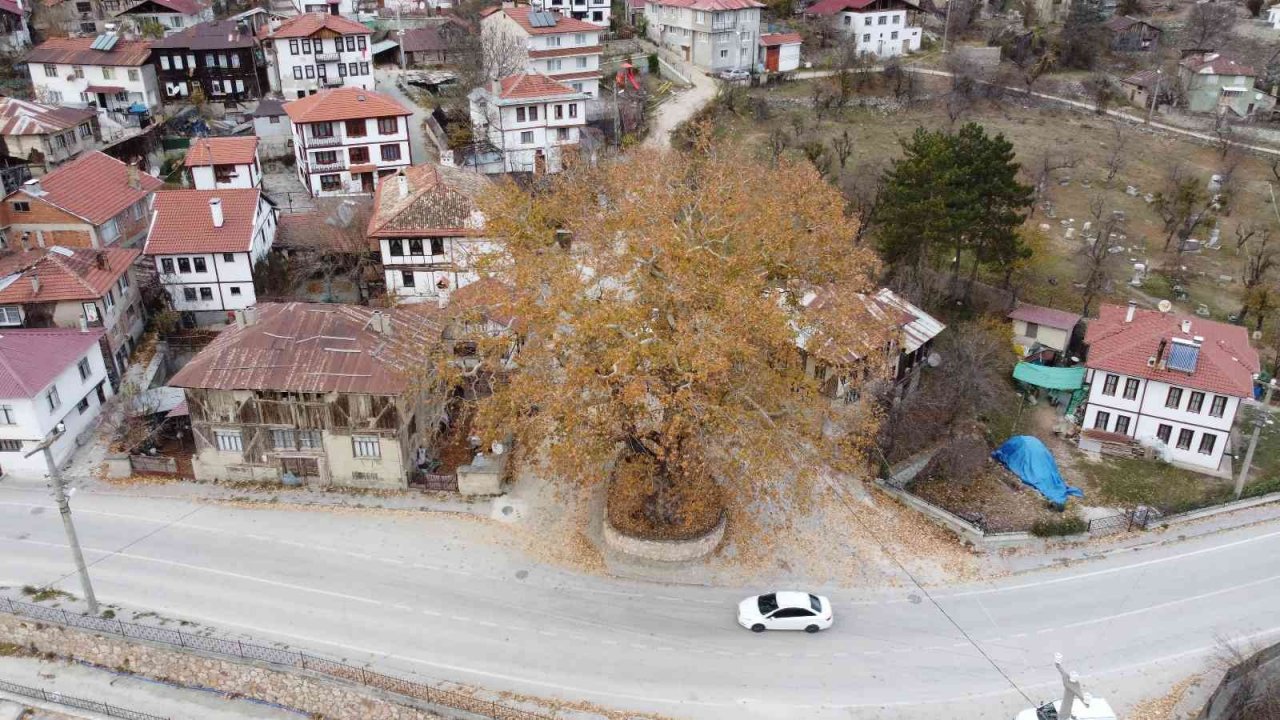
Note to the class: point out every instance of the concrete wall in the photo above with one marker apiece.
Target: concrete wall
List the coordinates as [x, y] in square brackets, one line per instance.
[1049, 337]
[663, 550]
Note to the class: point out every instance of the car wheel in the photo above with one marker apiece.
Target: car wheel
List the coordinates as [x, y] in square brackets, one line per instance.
[812, 629]
[757, 628]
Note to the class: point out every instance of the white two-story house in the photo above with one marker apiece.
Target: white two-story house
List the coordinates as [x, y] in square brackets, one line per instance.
[171, 16]
[214, 163]
[712, 34]
[428, 231]
[1168, 381]
[882, 28]
[205, 243]
[560, 47]
[105, 72]
[596, 12]
[47, 377]
[317, 51]
[531, 120]
[344, 140]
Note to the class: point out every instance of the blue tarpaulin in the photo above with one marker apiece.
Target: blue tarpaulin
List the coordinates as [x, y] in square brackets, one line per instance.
[1030, 460]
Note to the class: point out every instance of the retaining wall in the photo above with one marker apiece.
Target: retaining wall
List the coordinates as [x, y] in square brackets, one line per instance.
[663, 550]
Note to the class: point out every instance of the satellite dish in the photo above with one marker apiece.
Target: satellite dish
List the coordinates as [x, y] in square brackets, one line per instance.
[1164, 306]
[498, 448]
[934, 359]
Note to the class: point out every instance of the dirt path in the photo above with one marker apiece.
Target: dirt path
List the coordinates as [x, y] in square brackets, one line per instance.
[681, 106]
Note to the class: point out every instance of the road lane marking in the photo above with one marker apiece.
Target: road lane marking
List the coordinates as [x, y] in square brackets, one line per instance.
[1163, 605]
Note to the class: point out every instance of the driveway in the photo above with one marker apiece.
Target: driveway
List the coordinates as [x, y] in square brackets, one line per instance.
[681, 106]
[386, 82]
[456, 598]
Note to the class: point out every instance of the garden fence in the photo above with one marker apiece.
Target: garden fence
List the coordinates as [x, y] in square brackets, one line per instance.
[80, 703]
[277, 656]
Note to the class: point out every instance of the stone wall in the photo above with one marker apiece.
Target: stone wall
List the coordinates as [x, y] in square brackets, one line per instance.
[299, 690]
[662, 550]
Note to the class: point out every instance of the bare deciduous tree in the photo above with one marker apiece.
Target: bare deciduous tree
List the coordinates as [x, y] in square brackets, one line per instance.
[1116, 155]
[842, 146]
[1096, 257]
[1208, 24]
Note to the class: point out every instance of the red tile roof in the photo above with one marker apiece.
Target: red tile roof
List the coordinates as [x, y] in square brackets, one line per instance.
[831, 7]
[309, 24]
[713, 5]
[318, 347]
[780, 39]
[531, 85]
[23, 117]
[76, 51]
[32, 359]
[66, 274]
[222, 151]
[438, 201]
[94, 186]
[348, 103]
[11, 7]
[1216, 64]
[1226, 361]
[184, 224]
[1049, 317]
[563, 24]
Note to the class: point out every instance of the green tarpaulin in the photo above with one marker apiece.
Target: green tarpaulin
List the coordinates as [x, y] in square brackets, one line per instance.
[1052, 378]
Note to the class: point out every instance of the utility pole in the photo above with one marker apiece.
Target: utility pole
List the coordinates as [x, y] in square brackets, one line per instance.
[1155, 96]
[1072, 690]
[946, 26]
[1263, 418]
[64, 507]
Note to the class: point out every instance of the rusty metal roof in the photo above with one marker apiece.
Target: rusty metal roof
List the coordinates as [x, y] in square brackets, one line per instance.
[319, 348]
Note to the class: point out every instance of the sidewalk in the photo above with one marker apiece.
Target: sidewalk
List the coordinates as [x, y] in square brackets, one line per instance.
[129, 692]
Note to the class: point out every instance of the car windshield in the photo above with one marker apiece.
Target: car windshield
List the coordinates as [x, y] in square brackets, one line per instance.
[768, 603]
[815, 603]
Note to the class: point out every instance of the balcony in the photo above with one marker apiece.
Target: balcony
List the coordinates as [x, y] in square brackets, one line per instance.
[327, 57]
[329, 141]
[319, 167]
[724, 26]
[331, 82]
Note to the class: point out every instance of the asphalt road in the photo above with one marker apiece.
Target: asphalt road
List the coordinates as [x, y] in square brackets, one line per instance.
[443, 597]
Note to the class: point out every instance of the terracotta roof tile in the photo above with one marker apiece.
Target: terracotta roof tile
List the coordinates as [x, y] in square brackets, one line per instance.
[531, 85]
[318, 347]
[713, 5]
[66, 274]
[222, 151]
[1226, 363]
[23, 117]
[308, 24]
[183, 222]
[1049, 317]
[780, 39]
[438, 201]
[563, 24]
[77, 51]
[94, 186]
[348, 103]
[831, 7]
[1216, 64]
[31, 359]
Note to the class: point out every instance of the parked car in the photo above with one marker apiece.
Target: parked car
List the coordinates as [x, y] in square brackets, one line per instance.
[785, 611]
[1098, 710]
[735, 75]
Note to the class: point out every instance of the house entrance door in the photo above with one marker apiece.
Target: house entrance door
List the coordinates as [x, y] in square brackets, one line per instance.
[366, 182]
[305, 469]
[771, 58]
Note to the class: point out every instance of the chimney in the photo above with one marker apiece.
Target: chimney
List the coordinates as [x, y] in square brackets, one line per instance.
[380, 323]
[1160, 354]
[101, 259]
[215, 209]
[239, 316]
[1128, 314]
[251, 315]
[135, 178]
[35, 284]
[1186, 327]
[33, 187]
[402, 183]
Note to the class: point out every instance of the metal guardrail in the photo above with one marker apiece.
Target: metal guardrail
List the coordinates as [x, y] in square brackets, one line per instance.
[76, 702]
[277, 656]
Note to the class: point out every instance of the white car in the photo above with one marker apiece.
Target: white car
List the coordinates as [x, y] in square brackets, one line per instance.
[785, 611]
[1098, 710]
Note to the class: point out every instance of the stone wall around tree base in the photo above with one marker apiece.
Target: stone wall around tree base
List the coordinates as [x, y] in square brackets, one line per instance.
[669, 551]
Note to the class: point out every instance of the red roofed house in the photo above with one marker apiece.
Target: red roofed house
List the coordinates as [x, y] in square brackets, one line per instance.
[596, 12]
[529, 120]
[205, 244]
[779, 52]
[428, 231]
[45, 136]
[170, 15]
[316, 51]
[214, 163]
[715, 35]
[549, 43]
[62, 287]
[94, 201]
[882, 28]
[1036, 328]
[71, 71]
[15, 32]
[1215, 83]
[47, 377]
[344, 140]
[1168, 381]
[330, 394]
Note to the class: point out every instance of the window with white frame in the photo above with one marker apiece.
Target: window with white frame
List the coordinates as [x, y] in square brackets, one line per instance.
[366, 446]
[52, 399]
[228, 440]
[10, 315]
[83, 367]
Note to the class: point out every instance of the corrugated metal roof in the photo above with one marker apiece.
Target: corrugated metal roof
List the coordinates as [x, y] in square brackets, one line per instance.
[923, 328]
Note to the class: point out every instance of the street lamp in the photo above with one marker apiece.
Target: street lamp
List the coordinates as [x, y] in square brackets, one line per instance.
[64, 507]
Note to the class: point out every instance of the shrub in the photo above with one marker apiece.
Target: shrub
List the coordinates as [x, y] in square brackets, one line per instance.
[1262, 487]
[1058, 527]
[654, 69]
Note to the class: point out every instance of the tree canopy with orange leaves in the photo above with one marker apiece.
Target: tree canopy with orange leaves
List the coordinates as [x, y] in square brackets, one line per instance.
[661, 299]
